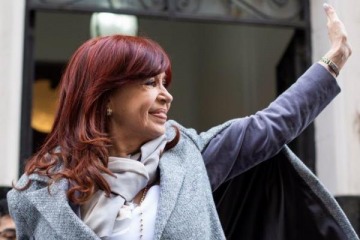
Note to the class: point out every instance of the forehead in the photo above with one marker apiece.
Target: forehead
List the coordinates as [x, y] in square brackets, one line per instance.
[135, 83]
[160, 76]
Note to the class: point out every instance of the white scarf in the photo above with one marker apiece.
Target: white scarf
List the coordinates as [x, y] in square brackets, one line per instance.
[100, 212]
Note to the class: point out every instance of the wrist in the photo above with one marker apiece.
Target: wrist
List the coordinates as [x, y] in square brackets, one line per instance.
[330, 66]
[339, 55]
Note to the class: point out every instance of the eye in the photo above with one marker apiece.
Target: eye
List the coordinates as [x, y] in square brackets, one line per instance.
[165, 83]
[150, 82]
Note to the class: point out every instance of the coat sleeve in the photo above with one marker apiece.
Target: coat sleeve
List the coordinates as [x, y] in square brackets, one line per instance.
[240, 144]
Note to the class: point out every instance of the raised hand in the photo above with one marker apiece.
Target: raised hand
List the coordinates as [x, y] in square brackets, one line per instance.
[340, 49]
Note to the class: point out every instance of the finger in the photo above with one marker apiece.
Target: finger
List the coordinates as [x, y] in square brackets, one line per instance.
[330, 12]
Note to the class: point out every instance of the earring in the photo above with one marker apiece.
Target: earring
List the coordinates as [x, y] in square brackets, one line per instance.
[109, 111]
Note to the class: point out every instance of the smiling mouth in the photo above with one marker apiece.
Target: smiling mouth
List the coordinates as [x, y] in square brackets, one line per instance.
[160, 115]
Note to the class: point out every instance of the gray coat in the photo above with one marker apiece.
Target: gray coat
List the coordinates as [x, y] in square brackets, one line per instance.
[191, 170]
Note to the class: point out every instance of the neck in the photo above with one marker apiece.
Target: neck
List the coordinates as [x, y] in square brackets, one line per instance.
[120, 150]
[124, 144]
[123, 147]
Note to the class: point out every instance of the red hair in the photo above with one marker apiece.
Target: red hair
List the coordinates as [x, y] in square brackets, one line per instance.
[79, 139]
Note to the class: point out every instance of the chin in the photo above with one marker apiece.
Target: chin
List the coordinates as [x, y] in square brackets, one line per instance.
[158, 131]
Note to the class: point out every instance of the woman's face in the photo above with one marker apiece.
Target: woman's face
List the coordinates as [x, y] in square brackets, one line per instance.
[140, 108]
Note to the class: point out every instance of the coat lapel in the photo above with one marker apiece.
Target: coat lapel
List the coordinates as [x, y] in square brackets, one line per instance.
[53, 205]
[172, 174]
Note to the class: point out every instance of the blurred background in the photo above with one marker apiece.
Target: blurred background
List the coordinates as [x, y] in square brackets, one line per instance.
[230, 58]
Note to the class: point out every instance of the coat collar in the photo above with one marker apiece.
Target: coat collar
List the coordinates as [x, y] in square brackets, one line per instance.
[172, 175]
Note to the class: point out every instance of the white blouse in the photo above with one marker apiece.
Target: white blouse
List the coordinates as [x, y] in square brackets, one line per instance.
[132, 212]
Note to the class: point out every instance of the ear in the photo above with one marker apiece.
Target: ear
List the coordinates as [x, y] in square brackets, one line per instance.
[110, 103]
[109, 107]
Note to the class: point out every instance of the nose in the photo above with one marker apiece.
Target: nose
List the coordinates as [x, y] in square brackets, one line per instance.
[165, 96]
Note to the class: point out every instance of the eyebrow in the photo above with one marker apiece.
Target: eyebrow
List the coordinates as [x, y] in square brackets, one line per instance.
[164, 76]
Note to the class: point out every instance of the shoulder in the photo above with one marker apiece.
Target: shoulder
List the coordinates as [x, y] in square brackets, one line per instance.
[202, 139]
[31, 182]
[26, 184]
[34, 184]
[18, 199]
[34, 189]
[188, 136]
[187, 132]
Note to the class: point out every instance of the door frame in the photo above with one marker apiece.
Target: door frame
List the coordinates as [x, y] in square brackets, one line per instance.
[303, 47]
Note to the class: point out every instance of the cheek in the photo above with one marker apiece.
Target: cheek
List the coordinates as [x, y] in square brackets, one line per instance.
[144, 117]
[141, 111]
[137, 108]
[145, 103]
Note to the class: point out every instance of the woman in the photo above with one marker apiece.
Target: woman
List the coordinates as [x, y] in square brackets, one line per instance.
[113, 166]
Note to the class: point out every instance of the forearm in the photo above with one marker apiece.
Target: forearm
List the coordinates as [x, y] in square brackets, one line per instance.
[248, 141]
